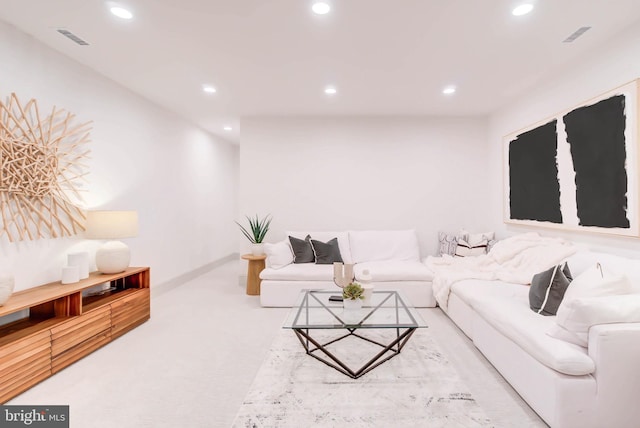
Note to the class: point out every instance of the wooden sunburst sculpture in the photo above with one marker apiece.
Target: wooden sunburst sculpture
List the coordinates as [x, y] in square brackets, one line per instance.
[41, 163]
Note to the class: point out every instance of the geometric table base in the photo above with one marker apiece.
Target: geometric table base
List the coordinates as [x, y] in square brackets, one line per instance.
[320, 352]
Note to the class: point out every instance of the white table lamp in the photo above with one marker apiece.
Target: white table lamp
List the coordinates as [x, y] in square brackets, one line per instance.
[113, 256]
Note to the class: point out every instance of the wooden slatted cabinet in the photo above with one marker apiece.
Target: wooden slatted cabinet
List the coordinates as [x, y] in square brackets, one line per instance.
[62, 324]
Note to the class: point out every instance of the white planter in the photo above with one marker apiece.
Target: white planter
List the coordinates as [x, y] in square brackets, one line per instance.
[352, 304]
[7, 283]
[257, 249]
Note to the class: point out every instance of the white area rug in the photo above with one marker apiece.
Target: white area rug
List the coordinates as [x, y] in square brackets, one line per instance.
[418, 387]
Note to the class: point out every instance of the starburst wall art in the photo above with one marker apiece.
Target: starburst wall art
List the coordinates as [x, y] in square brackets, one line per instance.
[41, 168]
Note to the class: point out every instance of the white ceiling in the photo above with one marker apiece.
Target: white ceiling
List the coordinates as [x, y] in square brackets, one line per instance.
[274, 57]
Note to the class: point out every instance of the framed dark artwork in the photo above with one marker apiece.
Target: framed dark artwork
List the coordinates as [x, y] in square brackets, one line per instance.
[578, 170]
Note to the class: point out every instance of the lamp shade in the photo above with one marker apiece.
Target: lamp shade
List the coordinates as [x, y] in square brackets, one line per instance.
[111, 224]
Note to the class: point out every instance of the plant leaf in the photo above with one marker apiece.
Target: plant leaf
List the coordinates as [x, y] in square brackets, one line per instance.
[258, 228]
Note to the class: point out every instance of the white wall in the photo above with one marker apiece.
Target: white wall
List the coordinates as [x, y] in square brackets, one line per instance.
[180, 179]
[614, 64]
[365, 173]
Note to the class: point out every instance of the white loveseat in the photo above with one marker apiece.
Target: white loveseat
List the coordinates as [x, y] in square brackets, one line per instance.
[566, 384]
[392, 258]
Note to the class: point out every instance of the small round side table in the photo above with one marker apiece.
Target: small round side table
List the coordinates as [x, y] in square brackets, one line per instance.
[256, 265]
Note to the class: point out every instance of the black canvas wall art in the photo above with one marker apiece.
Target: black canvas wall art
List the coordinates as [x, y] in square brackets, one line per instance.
[595, 134]
[534, 190]
[578, 170]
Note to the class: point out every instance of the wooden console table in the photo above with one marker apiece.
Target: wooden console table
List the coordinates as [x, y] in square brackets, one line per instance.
[63, 325]
[256, 265]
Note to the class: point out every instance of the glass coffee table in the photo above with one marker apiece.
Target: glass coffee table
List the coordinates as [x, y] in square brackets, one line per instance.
[387, 310]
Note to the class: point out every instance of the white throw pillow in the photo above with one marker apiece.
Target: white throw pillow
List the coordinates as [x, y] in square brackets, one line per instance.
[578, 311]
[587, 311]
[279, 254]
[596, 281]
[582, 313]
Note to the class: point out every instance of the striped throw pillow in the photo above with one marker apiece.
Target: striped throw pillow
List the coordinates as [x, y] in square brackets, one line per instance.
[464, 249]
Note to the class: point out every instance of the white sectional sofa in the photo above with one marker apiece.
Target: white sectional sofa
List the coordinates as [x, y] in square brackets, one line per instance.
[566, 384]
[391, 256]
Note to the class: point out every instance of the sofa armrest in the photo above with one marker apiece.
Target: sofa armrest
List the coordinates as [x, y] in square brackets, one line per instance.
[615, 349]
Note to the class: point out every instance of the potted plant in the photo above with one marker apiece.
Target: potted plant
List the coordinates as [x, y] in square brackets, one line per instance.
[352, 296]
[258, 228]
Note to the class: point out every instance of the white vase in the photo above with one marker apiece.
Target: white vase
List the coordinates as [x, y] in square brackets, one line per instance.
[81, 260]
[257, 249]
[351, 305]
[7, 283]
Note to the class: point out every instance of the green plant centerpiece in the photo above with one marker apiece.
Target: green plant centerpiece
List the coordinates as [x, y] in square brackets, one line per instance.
[353, 291]
[258, 228]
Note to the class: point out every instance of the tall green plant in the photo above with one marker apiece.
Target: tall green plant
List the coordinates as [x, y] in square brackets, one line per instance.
[257, 228]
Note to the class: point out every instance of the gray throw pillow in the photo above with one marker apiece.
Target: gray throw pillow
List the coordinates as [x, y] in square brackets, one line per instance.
[548, 288]
[302, 251]
[448, 244]
[326, 252]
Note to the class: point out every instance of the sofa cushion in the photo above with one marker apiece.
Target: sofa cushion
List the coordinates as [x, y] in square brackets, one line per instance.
[302, 250]
[326, 252]
[393, 271]
[343, 241]
[377, 245]
[279, 254]
[300, 272]
[547, 289]
[506, 307]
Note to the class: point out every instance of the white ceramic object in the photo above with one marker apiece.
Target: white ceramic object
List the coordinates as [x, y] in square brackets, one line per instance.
[350, 304]
[70, 274]
[342, 274]
[113, 257]
[257, 249]
[368, 294]
[7, 282]
[81, 260]
[367, 286]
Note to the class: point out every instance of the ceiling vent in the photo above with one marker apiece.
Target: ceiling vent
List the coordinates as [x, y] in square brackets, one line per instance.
[579, 32]
[68, 34]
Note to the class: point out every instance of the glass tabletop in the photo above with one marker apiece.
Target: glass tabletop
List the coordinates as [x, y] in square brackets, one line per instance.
[386, 309]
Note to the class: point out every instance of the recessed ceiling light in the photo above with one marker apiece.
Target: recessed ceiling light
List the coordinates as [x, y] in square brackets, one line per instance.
[449, 90]
[209, 89]
[228, 128]
[121, 12]
[523, 9]
[330, 90]
[321, 8]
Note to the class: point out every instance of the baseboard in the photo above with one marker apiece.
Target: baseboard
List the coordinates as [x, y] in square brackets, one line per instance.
[169, 285]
